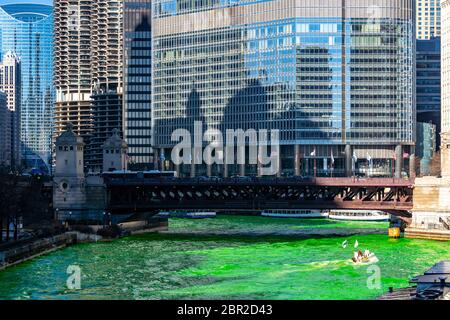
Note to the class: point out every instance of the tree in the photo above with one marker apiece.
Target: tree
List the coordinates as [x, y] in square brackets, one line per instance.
[11, 199]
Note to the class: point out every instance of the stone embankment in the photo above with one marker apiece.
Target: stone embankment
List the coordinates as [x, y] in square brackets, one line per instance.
[32, 248]
[15, 253]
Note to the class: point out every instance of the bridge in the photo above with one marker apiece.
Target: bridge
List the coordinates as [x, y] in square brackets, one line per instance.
[250, 193]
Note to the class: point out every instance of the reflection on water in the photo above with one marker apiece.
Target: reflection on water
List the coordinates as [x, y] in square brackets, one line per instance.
[174, 266]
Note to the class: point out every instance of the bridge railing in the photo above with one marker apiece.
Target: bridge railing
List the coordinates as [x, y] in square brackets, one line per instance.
[351, 181]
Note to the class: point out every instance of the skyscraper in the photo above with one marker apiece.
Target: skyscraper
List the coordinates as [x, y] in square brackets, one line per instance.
[428, 81]
[5, 132]
[107, 76]
[73, 66]
[10, 84]
[335, 77]
[88, 71]
[26, 30]
[428, 19]
[445, 107]
[137, 82]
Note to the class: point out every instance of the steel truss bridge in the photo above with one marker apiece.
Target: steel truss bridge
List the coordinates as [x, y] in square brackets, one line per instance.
[125, 195]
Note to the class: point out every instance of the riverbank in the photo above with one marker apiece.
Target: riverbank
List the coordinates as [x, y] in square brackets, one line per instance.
[34, 248]
[16, 253]
[399, 294]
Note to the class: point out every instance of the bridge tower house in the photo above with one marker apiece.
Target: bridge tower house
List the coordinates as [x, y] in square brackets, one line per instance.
[69, 196]
[115, 151]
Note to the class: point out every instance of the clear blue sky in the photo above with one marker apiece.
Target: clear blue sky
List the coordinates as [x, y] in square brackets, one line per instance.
[26, 1]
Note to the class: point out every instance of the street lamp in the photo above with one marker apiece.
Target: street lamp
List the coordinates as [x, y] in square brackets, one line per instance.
[57, 214]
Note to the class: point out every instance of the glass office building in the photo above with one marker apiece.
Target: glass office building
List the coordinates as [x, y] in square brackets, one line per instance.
[428, 83]
[335, 77]
[27, 31]
[137, 83]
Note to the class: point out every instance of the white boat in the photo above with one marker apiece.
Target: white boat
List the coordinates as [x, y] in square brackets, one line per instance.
[371, 259]
[312, 214]
[188, 214]
[201, 215]
[359, 215]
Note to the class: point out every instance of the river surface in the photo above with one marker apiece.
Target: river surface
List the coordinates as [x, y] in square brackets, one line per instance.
[178, 265]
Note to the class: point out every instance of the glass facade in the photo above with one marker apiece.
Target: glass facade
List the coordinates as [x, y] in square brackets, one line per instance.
[428, 82]
[327, 77]
[27, 31]
[137, 82]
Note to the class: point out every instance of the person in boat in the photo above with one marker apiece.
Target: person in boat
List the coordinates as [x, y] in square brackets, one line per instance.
[359, 256]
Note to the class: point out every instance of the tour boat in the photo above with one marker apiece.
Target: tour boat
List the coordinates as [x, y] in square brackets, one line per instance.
[294, 213]
[188, 214]
[359, 215]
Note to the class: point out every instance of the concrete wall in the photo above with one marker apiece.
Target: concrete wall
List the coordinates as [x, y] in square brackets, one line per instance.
[431, 212]
[85, 199]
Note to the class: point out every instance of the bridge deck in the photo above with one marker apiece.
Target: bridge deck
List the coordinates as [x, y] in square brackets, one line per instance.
[325, 182]
[393, 195]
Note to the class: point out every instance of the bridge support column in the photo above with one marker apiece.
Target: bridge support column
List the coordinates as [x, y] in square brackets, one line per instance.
[399, 161]
[412, 163]
[161, 159]
[280, 167]
[178, 170]
[242, 170]
[348, 161]
[193, 158]
[225, 170]
[155, 159]
[297, 160]
[209, 170]
[260, 165]
[193, 170]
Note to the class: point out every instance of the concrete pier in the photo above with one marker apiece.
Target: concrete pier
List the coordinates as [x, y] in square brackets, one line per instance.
[431, 212]
[348, 161]
[297, 161]
[242, 170]
[398, 161]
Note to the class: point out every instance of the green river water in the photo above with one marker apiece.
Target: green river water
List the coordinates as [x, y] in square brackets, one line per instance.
[172, 266]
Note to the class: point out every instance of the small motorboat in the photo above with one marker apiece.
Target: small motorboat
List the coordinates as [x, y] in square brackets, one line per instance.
[366, 258]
